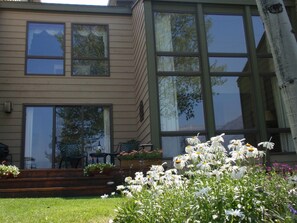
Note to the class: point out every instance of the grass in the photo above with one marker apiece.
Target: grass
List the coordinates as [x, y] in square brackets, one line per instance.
[31, 210]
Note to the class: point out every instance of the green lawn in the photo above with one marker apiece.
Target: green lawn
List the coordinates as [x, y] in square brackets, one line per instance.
[90, 209]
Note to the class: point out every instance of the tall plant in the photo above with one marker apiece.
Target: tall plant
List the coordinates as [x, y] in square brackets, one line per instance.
[210, 183]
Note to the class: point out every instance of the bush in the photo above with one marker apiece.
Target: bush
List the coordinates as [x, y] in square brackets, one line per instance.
[7, 171]
[210, 185]
[97, 168]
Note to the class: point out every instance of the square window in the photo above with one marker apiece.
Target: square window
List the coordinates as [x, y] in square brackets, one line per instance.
[90, 52]
[45, 49]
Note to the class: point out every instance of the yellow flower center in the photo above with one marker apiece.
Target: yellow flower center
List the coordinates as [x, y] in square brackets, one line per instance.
[177, 161]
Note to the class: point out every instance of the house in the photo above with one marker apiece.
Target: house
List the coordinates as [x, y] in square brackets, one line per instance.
[152, 70]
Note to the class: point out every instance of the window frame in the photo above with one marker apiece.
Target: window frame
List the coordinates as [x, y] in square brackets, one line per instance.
[54, 106]
[201, 9]
[92, 59]
[27, 56]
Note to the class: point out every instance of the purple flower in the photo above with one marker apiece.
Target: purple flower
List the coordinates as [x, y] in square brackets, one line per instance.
[292, 210]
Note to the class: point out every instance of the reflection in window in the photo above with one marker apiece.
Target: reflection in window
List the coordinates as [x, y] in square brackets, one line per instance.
[265, 65]
[275, 115]
[38, 137]
[261, 42]
[227, 64]
[78, 130]
[173, 146]
[175, 32]
[83, 127]
[90, 50]
[45, 49]
[225, 34]
[249, 138]
[233, 105]
[178, 64]
[181, 105]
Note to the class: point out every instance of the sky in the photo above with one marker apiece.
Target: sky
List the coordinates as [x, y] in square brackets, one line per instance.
[80, 2]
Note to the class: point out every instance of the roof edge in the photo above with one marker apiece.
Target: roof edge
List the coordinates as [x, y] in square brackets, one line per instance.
[65, 8]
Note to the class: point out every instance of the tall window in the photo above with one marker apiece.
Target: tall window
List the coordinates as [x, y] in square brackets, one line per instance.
[45, 49]
[221, 55]
[90, 54]
[179, 81]
[52, 131]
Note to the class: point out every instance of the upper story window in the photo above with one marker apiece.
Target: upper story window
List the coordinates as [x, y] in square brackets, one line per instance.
[90, 56]
[45, 49]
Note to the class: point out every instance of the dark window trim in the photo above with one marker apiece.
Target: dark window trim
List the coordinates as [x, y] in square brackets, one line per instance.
[98, 59]
[53, 106]
[179, 73]
[230, 74]
[183, 133]
[27, 57]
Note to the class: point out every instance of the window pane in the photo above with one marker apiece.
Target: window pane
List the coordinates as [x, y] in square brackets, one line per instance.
[181, 103]
[89, 42]
[45, 39]
[38, 137]
[261, 41]
[226, 64]
[266, 65]
[173, 146]
[178, 63]
[275, 114]
[81, 129]
[90, 67]
[283, 142]
[232, 100]
[45, 66]
[175, 32]
[249, 138]
[225, 34]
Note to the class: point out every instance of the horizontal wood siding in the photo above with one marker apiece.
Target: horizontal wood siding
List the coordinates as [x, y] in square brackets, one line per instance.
[143, 128]
[118, 89]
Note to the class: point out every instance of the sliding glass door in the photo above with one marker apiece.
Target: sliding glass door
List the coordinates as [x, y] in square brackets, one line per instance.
[55, 131]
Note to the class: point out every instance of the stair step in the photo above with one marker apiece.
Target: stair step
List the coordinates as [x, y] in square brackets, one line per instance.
[56, 191]
[54, 181]
[51, 173]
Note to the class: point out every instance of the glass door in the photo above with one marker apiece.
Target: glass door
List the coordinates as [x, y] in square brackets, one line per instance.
[38, 137]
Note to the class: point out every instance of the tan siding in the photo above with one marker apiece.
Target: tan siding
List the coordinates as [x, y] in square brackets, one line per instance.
[117, 89]
[141, 89]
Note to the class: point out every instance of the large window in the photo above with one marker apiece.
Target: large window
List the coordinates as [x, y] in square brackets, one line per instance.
[90, 54]
[52, 131]
[45, 49]
[215, 75]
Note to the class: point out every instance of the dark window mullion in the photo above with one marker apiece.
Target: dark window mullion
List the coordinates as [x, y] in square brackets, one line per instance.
[237, 74]
[178, 73]
[228, 55]
[178, 54]
[45, 57]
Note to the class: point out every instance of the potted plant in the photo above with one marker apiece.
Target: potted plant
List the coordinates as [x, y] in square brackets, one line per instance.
[98, 168]
[8, 171]
[140, 158]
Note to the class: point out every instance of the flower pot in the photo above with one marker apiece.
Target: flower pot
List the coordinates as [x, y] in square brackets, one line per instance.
[140, 164]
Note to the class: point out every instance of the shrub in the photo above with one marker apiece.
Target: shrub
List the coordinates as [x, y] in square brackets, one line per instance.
[8, 171]
[97, 168]
[140, 154]
[210, 185]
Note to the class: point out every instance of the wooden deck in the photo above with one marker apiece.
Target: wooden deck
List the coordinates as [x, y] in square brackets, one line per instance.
[61, 183]
[56, 183]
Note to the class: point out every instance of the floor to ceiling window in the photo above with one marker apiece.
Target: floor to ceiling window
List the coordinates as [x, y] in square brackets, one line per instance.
[50, 130]
[219, 55]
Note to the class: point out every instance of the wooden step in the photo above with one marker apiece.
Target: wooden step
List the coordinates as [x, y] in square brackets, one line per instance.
[54, 181]
[51, 173]
[56, 191]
